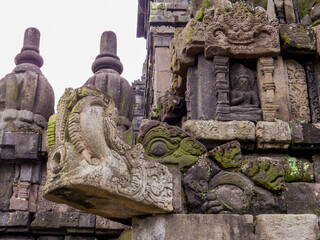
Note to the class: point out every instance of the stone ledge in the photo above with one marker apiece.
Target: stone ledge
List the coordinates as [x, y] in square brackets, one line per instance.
[213, 133]
[193, 226]
[286, 227]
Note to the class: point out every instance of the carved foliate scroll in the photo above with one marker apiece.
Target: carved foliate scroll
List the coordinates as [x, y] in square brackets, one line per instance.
[298, 92]
[91, 168]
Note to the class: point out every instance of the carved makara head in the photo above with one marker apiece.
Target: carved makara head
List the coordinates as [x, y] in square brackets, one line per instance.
[169, 145]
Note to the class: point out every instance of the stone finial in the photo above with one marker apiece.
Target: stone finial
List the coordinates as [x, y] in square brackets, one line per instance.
[29, 58]
[108, 59]
[108, 43]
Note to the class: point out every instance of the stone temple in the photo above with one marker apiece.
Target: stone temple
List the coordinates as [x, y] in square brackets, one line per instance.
[220, 139]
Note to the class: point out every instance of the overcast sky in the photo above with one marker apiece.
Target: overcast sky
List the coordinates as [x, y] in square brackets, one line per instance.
[70, 37]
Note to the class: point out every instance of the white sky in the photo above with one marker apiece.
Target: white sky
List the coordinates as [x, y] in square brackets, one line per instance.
[70, 37]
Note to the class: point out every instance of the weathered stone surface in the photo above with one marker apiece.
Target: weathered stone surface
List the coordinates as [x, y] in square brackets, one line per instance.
[232, 31]
[95, 163]
[297, 91]
[6, 181]
[26, 88]
[195, 182]
[286, 227]
[267, 88]
[244, 101]
[228, 155]
[169, 145]
[51, 238]
[313, 93]
[200, 84]
[15, 221]
[315, 12]
[297, 38]
[193, 226]
[273, 135]
[298, 170]
[289, 11]
[178, 192]
[212, 133]
[107, 69]
[302, 198]
[20, 196]
[266, 172]
[305, 135]
[71, 222]
[162, 74]
[19, 145]
[107, 227]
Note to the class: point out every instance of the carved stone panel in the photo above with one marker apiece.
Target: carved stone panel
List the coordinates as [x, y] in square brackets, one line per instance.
[298, 92]
[240, 31]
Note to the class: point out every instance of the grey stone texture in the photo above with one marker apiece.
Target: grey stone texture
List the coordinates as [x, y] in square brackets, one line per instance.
[273, 135]
[286, 227]
[216, 132]
[200, 85]
[193, 226]
[297, 38]
[302, 198]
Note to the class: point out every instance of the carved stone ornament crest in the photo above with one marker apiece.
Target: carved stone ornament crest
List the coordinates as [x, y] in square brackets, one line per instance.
[238, 30]
[91, 168]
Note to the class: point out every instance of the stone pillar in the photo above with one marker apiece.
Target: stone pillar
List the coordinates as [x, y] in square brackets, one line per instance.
[201, 101]
[267, 88]
[220, 66]
[313, 92]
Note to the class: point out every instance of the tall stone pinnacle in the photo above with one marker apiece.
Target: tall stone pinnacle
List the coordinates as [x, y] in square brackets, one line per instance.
[108, 59]
[29, 58]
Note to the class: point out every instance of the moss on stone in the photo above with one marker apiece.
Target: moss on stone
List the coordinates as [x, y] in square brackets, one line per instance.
[303, 8]
[201, 14]
[265, 172]
[315, 23]
[228, 156]
[297, 170]
[51, 131]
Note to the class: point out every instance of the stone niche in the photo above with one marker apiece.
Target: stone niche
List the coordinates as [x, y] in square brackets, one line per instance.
[223, 89]
[219, 60]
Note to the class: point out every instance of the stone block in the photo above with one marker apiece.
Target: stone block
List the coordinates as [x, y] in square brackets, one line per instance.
[15, 221]
[6, 180]
[302, 198]
[19, 145]
[26, 172]
[71, 237]
[289, 11]
[305, 135]
[273, 135]
[105, 226]
[162, 40]
[51, 238]
[75, 222]
[286, 227]
[178, 192]
[297, 38]
[298, 170]
[193, 226]
[213, 133]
